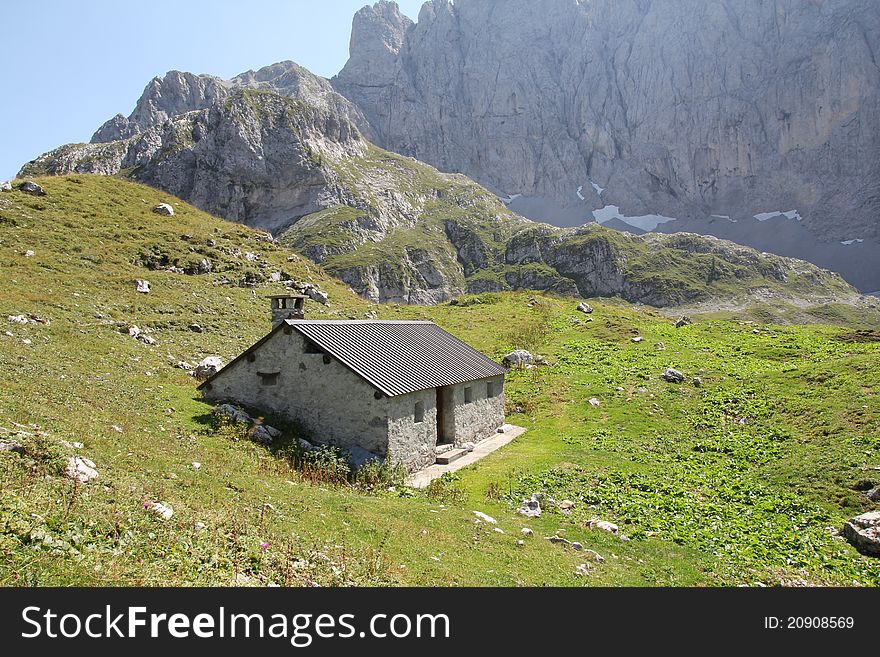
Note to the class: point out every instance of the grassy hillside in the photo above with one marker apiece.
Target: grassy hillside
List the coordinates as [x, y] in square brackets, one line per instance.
[734, 481]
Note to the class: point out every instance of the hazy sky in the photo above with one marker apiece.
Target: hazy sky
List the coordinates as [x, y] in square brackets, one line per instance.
[69, 66]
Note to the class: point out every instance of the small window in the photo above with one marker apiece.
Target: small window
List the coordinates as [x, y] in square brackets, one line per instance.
[468, 395]
[268, 378]
[313, 348]
[420, 412]
[490, 389]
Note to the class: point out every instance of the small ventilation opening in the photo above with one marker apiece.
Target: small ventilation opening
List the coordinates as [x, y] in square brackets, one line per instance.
[468, 395]
[268, 378]
[420, 412]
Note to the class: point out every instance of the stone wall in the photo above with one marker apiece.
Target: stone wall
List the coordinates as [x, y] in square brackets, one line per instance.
[412, 444]
[332, 403]
[470, 422]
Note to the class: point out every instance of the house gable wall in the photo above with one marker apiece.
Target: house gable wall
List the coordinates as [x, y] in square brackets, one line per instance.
[332, 403]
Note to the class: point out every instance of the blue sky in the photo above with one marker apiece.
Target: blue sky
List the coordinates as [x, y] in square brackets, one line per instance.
[69, 66]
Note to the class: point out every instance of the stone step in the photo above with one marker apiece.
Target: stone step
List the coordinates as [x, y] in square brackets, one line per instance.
[448, 457]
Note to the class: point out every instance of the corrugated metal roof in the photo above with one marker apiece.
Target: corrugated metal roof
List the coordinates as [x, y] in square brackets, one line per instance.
[397, 356]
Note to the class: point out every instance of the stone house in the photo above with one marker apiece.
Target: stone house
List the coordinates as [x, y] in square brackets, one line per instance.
[406, 391]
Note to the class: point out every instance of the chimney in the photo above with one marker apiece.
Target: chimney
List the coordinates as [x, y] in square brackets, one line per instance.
[286, 306]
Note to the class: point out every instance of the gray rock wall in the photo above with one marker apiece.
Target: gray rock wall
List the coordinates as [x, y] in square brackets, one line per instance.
[471, 422]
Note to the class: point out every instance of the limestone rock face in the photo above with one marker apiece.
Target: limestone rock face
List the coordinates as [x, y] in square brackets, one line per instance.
[178, 92]
[683, 109]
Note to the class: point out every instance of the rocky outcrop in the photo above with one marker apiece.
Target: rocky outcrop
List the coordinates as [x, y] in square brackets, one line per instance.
[177, 92]
[682, 109]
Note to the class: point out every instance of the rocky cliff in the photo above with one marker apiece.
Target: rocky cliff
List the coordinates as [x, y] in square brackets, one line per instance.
[654, 109]
[396, 229]
[178, 92]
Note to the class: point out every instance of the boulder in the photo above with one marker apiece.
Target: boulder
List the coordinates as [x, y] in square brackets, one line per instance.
[525, 531]
[638, 339]
[142, 286]
[874, 494]
[518, 358]
[484, 517]
[698, 381]
[17, 319]
[5, 186]
[29, 253]
[263, 434]
[8, 446]
[234, 413]
[683, 321]
[530, 507]
[160, 509]
[164, 209]
[673, 376]
[604, 525]
[585, 308]
[317, 295]
[80, 469]
[594, 401]
[208, 367]
[146, 339]
[31, 188]
[863, 532]
[196, 328]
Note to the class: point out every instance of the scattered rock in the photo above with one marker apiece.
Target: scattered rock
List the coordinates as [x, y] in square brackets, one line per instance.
[468, 447]
[26, 341]
[196, 465]
[72, 445]
[195, 328]
[525, 531]
[698, 381]
[146, 339]
[864, 485]
[874, 494]
[577, 546]
[673, 376]
[234, 413]
[498, 530]
[164, 209]
[638, 339]
[199, 526]
[263, 434]
[5, 186]
[530, 507]
[598, 558]
[518, 358]
[863, 533]
[500, 430]
[585, 308]
[306, 445]
[317, 295]
[604, 525]
[160, 509]
[7, 446]
[183, 365]
[594, 401]
[558, 539]
[520, 543]
[80, 469]
[582, 570]
[31, 188]
[565, 504]
[483, 516]
[116, 428]
[683, 321]
[29, 253]
[208, 367]
[142, 286]
[17, 319]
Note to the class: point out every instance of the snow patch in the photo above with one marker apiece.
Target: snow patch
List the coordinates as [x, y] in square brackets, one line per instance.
[507, 200]
[789, 214]
[848, 242]
[645, 221]
[578, 192]
[723, 216]
[598, 189]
